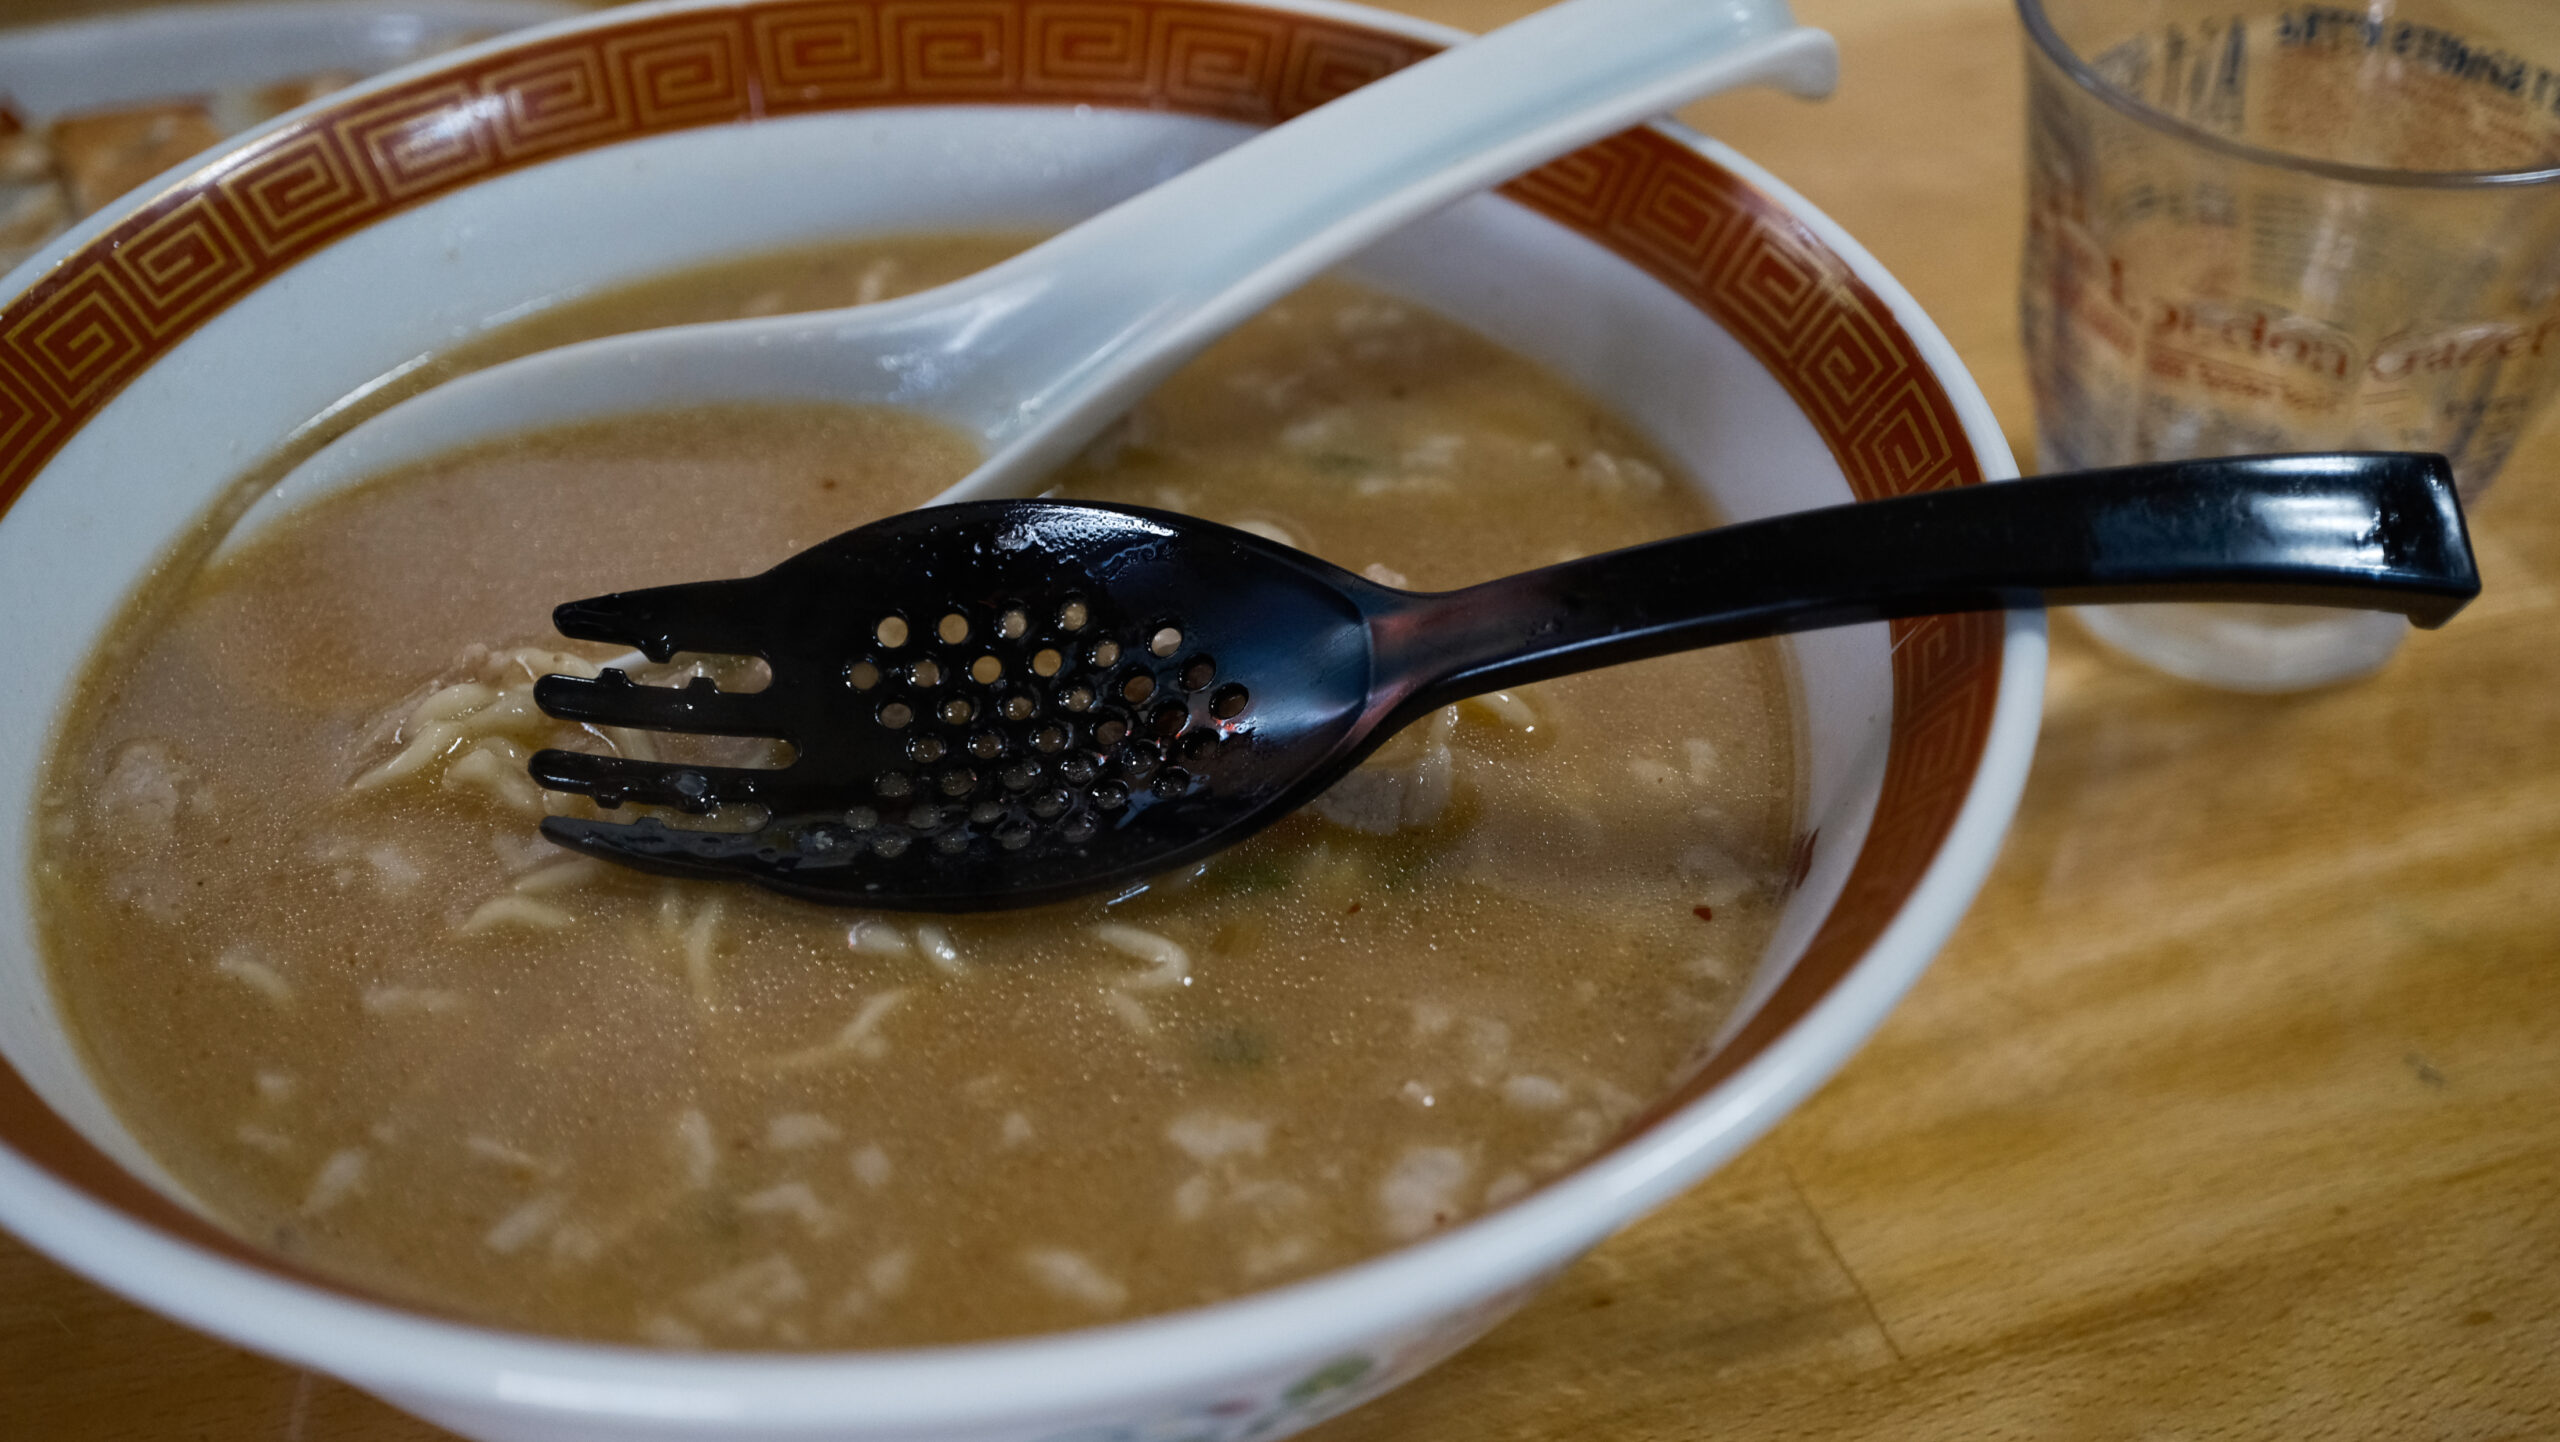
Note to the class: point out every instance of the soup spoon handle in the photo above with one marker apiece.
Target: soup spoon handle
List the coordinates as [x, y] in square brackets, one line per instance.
[2374, 530]
[1088, 323]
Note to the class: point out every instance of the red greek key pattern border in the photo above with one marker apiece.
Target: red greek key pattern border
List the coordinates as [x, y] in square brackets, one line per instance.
[1836, 348]
[116, 306]
[1794, 303]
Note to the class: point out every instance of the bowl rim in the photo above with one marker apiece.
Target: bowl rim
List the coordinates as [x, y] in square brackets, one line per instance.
[163, 1259]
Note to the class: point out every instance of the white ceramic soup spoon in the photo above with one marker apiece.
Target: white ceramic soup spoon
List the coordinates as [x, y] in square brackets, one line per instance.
[1037, 355]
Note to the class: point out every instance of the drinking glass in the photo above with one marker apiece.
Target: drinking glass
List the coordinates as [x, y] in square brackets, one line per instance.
[2269, 227]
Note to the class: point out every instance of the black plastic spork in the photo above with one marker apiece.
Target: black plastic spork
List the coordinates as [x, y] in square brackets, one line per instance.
[1006, 703]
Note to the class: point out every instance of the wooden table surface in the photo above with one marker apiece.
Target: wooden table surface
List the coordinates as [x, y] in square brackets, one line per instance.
[2232, 1111]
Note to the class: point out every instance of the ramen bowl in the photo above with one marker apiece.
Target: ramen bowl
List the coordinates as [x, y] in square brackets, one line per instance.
[162, 350]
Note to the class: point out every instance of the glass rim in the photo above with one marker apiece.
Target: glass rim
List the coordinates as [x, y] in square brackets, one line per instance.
[2041, 32]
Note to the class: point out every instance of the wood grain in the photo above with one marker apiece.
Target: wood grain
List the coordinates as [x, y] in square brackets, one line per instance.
[2232, 1111]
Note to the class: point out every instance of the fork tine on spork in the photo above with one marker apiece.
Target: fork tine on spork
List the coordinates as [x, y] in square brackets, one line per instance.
[663, 620]
[701, 707]
[613, 780]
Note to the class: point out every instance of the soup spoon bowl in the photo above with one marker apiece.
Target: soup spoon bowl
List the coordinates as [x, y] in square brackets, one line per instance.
[1035, 356]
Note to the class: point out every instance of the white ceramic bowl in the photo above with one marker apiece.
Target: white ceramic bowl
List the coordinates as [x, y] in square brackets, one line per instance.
[155, 353]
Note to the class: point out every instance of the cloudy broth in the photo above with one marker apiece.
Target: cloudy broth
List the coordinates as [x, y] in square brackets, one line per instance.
[298, 914]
